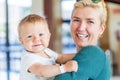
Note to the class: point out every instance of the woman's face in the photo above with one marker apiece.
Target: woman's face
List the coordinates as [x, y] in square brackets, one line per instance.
[86, 26]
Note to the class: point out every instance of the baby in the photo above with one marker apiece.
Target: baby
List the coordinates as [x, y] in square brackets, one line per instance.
[38, 62]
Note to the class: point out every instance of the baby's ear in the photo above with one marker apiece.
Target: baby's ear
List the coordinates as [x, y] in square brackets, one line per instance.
[20, 39]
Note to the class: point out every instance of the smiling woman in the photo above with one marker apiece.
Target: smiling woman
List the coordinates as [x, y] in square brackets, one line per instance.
[87, 25]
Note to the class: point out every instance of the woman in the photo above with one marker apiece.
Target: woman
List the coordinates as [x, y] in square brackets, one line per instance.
[87, 25]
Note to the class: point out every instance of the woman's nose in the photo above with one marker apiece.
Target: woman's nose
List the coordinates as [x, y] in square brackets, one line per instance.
[81, 26]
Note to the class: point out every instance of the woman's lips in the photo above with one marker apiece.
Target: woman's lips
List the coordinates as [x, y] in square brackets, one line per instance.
[81, 36]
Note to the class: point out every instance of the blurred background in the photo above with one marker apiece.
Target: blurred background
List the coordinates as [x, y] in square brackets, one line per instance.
[58, 13]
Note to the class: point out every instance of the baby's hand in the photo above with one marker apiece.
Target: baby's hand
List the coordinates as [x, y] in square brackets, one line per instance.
[71, 66]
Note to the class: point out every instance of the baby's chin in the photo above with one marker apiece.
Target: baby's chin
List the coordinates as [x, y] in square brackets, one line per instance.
[38, 51]
[35, 50]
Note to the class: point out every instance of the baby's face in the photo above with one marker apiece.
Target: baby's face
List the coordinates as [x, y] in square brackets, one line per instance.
[34, 37]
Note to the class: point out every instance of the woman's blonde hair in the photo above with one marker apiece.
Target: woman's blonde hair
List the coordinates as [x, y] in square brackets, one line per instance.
[100, 6]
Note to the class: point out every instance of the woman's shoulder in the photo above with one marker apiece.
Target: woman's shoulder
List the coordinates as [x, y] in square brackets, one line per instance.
[93, 60]
[92, 55]
[91, 52]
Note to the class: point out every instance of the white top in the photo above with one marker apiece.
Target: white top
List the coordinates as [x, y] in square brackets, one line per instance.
[29, 59]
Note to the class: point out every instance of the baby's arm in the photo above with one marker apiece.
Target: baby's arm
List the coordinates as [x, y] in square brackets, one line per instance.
[52, 70]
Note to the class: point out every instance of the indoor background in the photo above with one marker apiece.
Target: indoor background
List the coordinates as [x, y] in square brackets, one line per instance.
[58, 13]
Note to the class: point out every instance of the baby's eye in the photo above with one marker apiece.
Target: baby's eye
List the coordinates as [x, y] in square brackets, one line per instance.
[41, 34]
[30, 36]
[76, 20]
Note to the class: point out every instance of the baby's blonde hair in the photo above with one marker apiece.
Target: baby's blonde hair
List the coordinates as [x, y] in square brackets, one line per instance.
[32, 19]
[100, 6]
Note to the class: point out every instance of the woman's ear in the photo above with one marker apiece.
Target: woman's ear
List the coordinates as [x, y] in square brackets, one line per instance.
[102, 29]
[49, 35]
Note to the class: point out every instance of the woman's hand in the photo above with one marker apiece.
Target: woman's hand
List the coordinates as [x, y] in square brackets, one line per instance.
[71, 66]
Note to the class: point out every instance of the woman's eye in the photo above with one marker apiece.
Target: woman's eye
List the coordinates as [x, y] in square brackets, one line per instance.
[41, 34]
[29, 36]
[91, 22]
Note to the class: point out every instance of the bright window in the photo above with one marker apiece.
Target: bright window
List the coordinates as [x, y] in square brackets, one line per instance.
[67, 41]
[10, 52]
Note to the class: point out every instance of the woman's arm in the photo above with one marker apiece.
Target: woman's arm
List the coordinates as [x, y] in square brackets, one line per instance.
[63, 58]
[92, 63]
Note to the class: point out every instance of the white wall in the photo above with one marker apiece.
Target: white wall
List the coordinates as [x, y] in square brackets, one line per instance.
[37, 7]
[113, 24]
